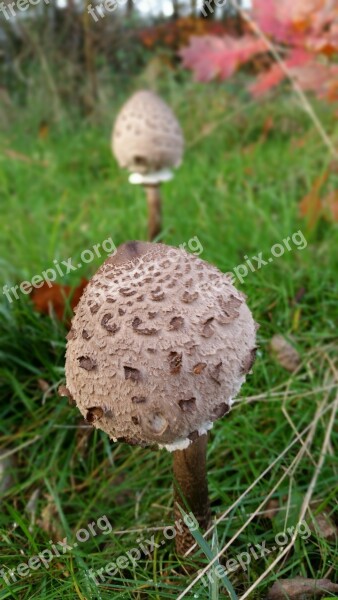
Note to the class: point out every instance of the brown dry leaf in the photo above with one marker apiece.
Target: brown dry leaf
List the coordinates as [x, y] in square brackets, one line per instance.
[24, 158]
[82, 437]
[43, 130]
[311, 206]
[330, 205]
[50, 520]
[208, 128]
[284, 353]
[301, 588]
[322, 524]
[65, 572]
[56, 296]
[271, 509]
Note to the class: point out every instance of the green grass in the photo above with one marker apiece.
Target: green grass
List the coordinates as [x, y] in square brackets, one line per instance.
[238, 193]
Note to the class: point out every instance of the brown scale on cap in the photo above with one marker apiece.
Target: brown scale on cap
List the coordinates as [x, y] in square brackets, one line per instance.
[160, 367]
[147, 136]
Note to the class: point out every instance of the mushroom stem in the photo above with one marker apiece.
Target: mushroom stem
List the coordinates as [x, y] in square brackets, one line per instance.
[191, 489]
[154, 210]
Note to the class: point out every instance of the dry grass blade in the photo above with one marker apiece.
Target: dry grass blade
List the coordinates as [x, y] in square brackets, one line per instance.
[291, 469]
[306, 501]
[293, 426]
[18, 448]
[278, 395]
[258, 479]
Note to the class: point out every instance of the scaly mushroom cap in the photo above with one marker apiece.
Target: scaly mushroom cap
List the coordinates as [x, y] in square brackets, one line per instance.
[159, 346]
[147, 137]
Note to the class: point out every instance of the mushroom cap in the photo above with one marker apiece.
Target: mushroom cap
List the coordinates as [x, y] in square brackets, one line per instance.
[160, 344]
[147, 136]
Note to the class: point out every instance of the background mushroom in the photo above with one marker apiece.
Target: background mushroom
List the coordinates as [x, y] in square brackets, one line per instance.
[148, 140]
[160, 345]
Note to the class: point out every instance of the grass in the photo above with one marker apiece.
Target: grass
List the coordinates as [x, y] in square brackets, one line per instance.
[238, 193]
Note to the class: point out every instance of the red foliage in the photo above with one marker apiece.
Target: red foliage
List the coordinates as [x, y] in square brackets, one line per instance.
[211, 56]
[306, 32]
[296, 61]
[56, 297]
[177, 34]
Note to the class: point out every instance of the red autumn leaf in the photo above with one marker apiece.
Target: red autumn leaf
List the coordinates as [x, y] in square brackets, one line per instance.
[267, 81]
[319, 78]
[288, 20]
[213, 57]
[275, 75]
[270, 18]
[303, 28]
[57, 297]
[324, 44]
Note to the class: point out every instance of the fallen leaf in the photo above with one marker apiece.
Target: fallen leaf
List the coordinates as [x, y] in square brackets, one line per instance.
[267, 80]
[43, 130]
[301, 588]
[55, 296]
[317, 77]
[271, 508]
[294, 64]
[330, 205]
[50, 520]
[322, 524]
[311, 205]
[284, 353]
[24, 158]
[213, 57]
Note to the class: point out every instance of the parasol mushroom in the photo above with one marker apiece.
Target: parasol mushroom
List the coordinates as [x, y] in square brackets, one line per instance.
[160, 345]
[148, 141]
